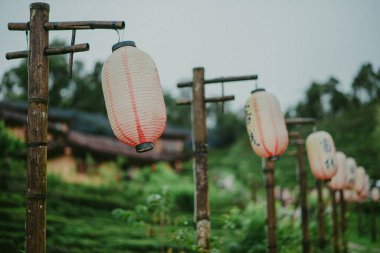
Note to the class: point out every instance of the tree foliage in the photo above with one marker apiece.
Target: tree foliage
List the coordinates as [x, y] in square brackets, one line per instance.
[82, 92]
[351, 117]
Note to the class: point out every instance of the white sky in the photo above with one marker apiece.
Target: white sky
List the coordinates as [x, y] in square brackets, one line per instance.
[287, 43]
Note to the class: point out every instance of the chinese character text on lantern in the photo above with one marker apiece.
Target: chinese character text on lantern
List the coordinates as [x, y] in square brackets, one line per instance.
[266, 125]
[321, 154]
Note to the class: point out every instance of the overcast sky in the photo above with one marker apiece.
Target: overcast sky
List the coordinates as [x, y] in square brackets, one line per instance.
[288, 44]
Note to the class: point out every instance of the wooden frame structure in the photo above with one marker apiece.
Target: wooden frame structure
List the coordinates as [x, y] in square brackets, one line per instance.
[38, 71]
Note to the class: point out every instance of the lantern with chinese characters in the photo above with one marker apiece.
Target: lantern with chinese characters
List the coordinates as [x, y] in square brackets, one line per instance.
[351, 168]
[375, 194]
[321, 153]
[133, 96]
[359, 179]
[266, 125]
[338, 181]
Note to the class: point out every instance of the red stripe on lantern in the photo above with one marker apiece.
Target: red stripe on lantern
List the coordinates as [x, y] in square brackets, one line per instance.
[132, 96]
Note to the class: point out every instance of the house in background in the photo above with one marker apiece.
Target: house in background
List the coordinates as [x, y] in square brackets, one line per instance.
[74, 135]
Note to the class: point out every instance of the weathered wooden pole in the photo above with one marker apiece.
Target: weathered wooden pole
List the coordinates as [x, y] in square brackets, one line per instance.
[320, 216]
[198, 103]
[343, 221]
[37, 121]
[335, 237]
[202, 208]
[373, 221]
[269, 166]
[38, 69]
[302, 177]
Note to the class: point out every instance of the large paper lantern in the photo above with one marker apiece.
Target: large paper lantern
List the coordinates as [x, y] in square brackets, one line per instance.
[359, 179]
[351, 168]
[375, 194]
[266, 125]
[339, 180]
[321, 153]
[133, 96]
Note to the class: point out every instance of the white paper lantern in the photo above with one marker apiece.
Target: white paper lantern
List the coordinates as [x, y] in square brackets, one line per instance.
[266, 125]
[351, 168]
[375, 194]
[133, 96]
[359, 179]
[321, 153]
[339, 180]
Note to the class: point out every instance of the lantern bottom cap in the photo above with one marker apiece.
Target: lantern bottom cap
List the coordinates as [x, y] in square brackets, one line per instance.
[143, 147]
[274, 158]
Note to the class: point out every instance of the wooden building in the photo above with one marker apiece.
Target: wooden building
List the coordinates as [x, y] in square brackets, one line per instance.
[74, 134]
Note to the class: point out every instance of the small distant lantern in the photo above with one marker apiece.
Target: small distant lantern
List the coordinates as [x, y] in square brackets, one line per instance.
[366, 188]
[375, 194]
[321, 153]
[133, 96]
[350, 196]
[351, 168]
[359, 179]
[266, 125]
[338, 181]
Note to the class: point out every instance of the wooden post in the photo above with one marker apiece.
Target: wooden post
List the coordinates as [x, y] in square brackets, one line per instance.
[202, 208]
[343, 221]
[38, 68]
[335, 223]
[359, 220]
[303, 195]
[320, 216]
[373, 221]
[271, 208]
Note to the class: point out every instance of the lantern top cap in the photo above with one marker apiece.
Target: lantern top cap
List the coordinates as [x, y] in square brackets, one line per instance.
[40, 6]
[123, 44]
[257, 90]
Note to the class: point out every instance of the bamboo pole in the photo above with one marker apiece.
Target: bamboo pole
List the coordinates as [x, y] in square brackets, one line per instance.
[207, 100]
[335, 237]
[69, 49]
[38, 68]
[51, 51]
[72, 25]
[220, 80]
[202, 207]
[320, 216]
[303, 196]
[271, 208]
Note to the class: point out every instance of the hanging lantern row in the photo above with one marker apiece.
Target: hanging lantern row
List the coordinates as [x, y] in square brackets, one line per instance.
[341, 172]
[133, 96]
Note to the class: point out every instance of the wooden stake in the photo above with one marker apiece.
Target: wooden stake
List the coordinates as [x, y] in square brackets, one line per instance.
[335, 223]
[320, 216]
[303, 195]
[202, 208]
[271, 208]
[38, 68]
[359, 220]
[343, 221]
